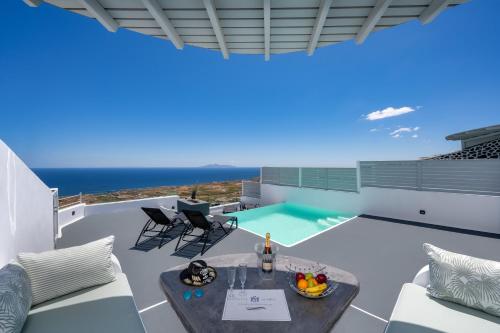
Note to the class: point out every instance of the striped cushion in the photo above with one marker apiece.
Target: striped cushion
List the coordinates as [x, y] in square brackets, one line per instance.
[60, 272]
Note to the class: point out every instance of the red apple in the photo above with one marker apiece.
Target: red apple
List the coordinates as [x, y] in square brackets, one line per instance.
[321, 278]
[299, 276]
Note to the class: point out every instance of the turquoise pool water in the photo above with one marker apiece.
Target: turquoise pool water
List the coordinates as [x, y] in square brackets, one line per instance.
[289, 224]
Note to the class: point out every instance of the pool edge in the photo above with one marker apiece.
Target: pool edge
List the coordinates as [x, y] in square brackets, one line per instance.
[303, 240]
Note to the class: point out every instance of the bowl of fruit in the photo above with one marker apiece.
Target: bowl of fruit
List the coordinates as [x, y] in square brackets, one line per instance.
[310, 285]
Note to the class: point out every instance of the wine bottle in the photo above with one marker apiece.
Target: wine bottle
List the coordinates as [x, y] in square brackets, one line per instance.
[267, 258]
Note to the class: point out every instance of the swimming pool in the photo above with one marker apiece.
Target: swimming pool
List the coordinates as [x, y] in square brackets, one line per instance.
[289, 223]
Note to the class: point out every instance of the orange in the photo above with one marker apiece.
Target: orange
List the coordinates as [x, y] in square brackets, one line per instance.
[302, 284]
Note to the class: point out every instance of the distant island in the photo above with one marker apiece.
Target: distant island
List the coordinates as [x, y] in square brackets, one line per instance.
[218, 166]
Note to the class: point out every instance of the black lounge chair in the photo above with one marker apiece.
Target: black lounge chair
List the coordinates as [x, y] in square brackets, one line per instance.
[199, 221]
[157, 219]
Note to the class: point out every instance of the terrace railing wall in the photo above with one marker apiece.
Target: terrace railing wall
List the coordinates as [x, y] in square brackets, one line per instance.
[462, 194]
[250, 189]
[457, 176]
[281, 176]
[338, 179]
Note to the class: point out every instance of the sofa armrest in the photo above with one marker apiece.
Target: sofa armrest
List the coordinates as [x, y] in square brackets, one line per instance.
[116, 264]
[422, 278]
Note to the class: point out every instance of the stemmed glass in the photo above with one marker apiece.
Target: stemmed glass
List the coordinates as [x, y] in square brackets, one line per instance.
[231, 277]
[286, 264]
[242, 272]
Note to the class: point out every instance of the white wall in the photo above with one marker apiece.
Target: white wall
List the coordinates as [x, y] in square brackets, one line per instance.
[466, 211]
[71, 214]
[218, 210]
[26, 206]
[112, 207]
[250, 200]
[347, 202]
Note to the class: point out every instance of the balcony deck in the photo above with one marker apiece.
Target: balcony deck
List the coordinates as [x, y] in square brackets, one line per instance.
[382, 254]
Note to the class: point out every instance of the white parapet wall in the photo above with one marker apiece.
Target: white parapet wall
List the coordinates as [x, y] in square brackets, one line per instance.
[26, 209]
[250, 200]
[169, 202]
[70, 214]
[218, 210]
[75, 213]
[457, 210]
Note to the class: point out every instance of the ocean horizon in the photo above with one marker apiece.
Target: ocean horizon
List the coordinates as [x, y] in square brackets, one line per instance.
[72, 181]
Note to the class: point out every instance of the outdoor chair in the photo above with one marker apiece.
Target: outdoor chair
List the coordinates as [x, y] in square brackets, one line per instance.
[158, 225]
[199, 221]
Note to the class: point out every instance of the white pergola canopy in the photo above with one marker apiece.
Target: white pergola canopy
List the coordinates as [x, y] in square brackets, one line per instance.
[255, 26]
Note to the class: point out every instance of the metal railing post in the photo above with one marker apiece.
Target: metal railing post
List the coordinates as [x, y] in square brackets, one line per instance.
[358, 175]
[300, 177]
[419, 175]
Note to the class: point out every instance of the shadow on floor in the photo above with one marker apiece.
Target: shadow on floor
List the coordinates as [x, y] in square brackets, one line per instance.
[191, 250]
[149, 244]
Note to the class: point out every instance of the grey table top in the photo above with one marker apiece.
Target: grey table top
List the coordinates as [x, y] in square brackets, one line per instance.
[308, 315]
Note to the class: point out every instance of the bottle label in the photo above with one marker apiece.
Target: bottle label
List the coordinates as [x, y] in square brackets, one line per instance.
[267, 266]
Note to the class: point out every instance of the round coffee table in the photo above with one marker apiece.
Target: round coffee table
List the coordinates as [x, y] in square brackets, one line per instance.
[308, 315]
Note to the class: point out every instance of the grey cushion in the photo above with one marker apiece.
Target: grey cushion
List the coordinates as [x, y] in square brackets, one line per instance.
[59, 272]
[106, 308]
[15, 298]
[417, 312]
[464, 280]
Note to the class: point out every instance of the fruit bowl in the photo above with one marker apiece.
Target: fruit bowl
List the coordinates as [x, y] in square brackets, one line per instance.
[315, 292]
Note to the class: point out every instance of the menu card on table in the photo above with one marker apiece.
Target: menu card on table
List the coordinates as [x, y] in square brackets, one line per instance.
[256, 305]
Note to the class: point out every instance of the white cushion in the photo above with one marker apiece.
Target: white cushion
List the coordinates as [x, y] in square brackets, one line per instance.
[417, 312]
[117, 267]
[60, 272]
[422, 278]
[105, 308]
[464, 280]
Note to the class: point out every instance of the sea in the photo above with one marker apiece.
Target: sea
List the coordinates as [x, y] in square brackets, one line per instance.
[72, 181]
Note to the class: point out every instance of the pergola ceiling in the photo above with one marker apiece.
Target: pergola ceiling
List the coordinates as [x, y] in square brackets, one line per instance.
[255, 26]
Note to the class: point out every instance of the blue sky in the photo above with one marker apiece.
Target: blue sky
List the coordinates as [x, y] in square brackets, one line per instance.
[74, 95]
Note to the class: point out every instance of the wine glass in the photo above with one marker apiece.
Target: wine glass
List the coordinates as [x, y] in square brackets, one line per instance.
[286, 264]
[242, 271]
[231, 277]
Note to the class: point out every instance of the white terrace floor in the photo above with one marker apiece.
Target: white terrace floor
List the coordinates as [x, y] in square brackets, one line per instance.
[382, 254]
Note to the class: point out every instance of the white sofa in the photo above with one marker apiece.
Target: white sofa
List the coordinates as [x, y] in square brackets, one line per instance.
[416, 312]
[105, 308]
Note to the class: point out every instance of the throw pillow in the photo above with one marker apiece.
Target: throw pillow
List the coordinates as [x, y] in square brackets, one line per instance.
[60, 272]
[15, 298]
[462, 279]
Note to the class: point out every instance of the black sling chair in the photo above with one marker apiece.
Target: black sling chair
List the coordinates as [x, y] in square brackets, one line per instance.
[198, 221]
[156, 219]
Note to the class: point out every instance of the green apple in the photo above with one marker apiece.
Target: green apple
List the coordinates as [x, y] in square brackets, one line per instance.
[309, 276]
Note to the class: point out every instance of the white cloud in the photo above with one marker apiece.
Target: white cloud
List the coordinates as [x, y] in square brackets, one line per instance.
[374, 130]
[388, 112]
[398, 133]
[400, 130]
